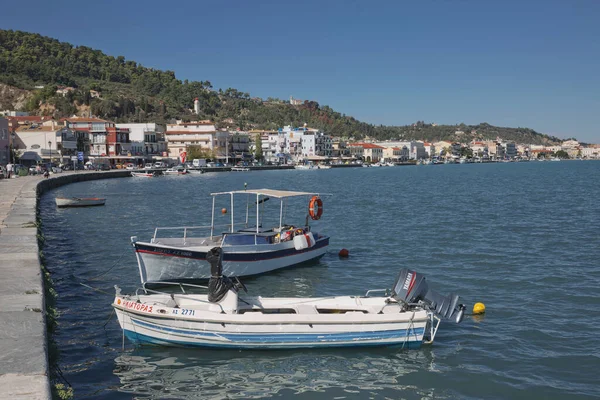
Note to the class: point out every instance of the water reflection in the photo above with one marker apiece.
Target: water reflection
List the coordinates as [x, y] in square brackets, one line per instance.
[176, 373]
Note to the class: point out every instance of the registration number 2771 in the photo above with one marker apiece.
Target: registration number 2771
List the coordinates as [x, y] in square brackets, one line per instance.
[183, 311]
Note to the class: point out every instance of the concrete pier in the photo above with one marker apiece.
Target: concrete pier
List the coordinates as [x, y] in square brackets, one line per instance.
[24, 372]
[23, 343]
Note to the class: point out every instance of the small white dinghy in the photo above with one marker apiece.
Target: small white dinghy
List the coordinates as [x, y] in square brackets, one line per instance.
[143, 174]
[79, 201]
[406, 316]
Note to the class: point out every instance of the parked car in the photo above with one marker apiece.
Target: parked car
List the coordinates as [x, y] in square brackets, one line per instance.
[160, 164]
[129, 166]
[3, 173]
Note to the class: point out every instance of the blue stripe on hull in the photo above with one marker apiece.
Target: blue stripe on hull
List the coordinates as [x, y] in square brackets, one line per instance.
[142, 339]
[279, 340]
[234, 257]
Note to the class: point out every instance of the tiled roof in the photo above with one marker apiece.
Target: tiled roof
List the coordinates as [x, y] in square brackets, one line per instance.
[82, 119]
[366, 145]
[187, 132]
[29, 118]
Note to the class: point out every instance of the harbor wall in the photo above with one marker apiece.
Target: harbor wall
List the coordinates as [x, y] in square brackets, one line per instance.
[24, 345]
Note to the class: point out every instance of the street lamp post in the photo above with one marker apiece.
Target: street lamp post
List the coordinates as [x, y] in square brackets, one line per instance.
[12, 147]
[50, 149]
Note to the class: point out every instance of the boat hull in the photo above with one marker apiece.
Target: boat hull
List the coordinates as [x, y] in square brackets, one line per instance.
[158, 263]
[252, 332]
[79, 202]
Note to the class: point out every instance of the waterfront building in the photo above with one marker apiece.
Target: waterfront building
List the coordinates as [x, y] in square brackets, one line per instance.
[239, 146]
[105, 139]
[316, 145]
[370, 152]
[480, 149]
[182, 135]
[592, 151]
[270, 145]
[429, 149]
[443, 147]
[523, 150]
[510, 150]
[339, 149]
[71, 142]
[147, 139]
[394, 154]
[416, 150]
[35, 141]
[356, 150]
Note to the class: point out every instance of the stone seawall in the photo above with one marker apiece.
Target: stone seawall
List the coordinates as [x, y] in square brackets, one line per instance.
[24, 369]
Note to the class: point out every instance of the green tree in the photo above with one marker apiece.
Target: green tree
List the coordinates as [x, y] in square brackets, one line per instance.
[258, 153]
[562, 154]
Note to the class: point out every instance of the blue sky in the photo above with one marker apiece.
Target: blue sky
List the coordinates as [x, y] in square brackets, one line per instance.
[529, 64]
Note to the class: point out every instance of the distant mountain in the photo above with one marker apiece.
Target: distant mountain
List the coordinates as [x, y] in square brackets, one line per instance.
[125, 91]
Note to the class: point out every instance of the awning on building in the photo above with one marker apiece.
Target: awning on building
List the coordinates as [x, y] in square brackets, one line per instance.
[30, 156]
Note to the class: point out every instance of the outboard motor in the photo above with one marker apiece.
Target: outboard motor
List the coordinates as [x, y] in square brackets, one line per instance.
[412, 288]
[218, 285]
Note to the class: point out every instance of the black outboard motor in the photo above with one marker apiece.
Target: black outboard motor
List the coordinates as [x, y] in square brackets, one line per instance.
[218, 285]
[412, 288]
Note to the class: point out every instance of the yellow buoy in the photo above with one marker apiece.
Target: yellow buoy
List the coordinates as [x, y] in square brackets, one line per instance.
[478, 308]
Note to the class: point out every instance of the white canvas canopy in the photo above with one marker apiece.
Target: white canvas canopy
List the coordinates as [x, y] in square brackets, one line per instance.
[279, 194]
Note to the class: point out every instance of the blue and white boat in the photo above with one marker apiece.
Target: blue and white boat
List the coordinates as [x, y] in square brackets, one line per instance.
[250, 246]
[408, 316]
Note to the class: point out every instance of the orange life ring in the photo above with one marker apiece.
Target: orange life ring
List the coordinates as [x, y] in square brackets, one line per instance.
[315, 207]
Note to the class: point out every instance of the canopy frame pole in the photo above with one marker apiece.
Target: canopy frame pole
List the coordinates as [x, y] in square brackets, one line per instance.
[257, 210]
[231, 212]
[280, 213]
[212, 221]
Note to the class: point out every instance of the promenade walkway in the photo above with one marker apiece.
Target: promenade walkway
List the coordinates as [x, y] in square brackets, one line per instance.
[23, 344]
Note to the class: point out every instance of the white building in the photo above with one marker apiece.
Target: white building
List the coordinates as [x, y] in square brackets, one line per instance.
[182, 135]
[416, 150]
[147, 139]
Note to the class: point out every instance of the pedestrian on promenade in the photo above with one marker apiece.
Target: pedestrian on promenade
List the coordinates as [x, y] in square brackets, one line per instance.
[46, 174]
[9, 168]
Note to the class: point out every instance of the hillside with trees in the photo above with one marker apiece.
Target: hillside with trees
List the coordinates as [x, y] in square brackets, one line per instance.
[130, 92]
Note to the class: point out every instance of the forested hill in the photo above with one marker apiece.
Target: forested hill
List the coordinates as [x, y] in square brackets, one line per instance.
[130, 92]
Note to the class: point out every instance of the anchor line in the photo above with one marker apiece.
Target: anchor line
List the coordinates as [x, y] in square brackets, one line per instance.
[97, 290]
[108, 270]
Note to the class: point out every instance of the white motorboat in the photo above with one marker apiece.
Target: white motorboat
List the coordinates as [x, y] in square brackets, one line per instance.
[305, 166]
[143, 174]
[240, 169]
[178, 170]
[79, 201]
[195, 170]
[249, 250]
[406, 316]
[323, 166]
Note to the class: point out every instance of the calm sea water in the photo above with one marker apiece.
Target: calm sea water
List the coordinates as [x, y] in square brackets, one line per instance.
[521, 237]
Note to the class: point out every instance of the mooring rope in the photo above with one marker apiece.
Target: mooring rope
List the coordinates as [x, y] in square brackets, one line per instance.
[108, 270]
